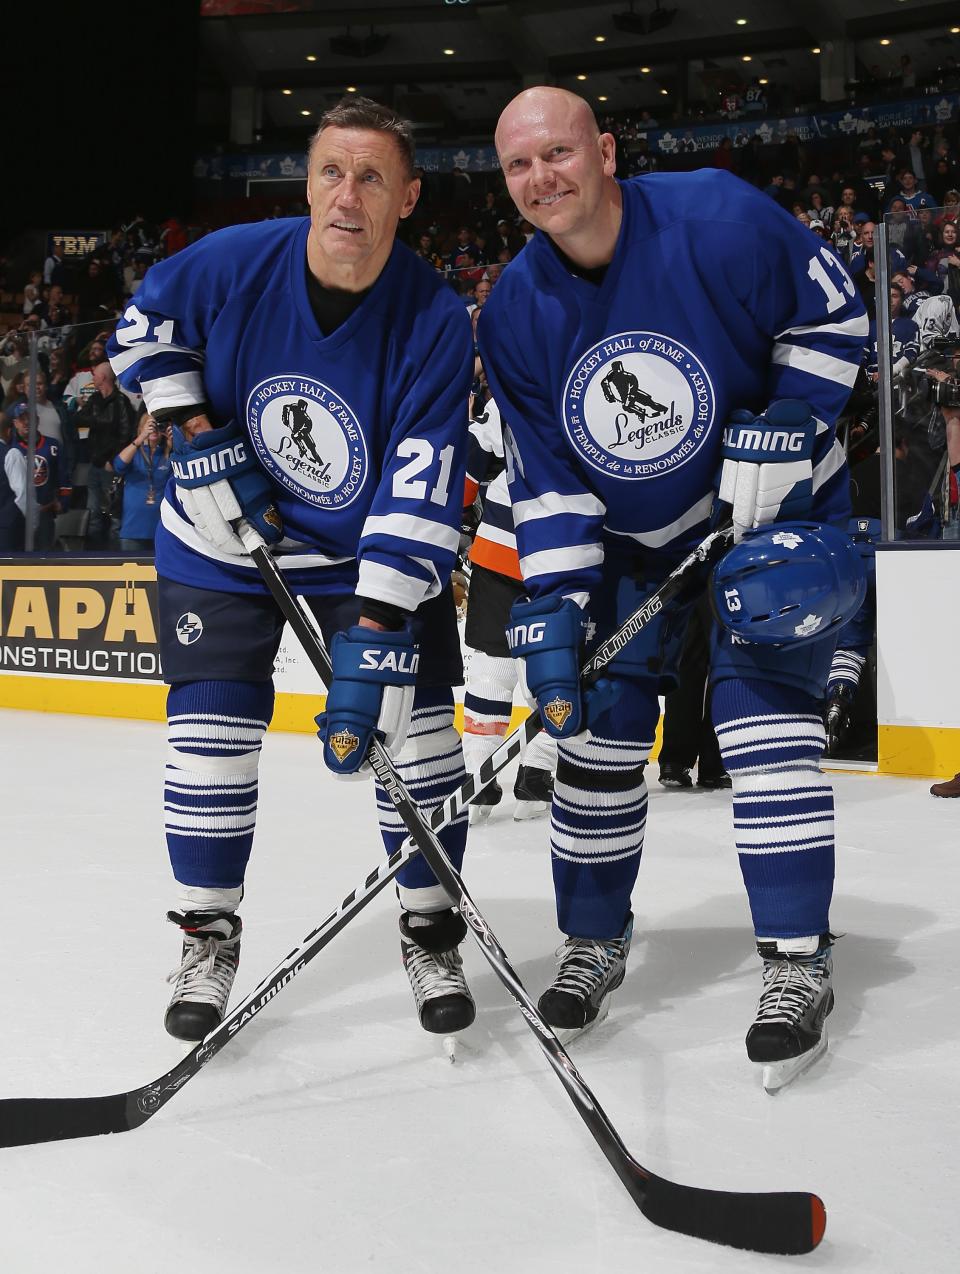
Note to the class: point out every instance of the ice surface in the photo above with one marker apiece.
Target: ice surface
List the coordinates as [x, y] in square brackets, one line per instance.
[332, 1135]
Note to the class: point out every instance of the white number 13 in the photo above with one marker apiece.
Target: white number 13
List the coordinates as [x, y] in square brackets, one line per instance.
[406, 484]
[815, 271]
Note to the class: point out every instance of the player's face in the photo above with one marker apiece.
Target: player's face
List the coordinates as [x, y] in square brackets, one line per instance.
[358, 189]
[554, 163]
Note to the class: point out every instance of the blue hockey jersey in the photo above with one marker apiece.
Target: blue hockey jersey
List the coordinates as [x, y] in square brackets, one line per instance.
[361, 432]
[617, 395]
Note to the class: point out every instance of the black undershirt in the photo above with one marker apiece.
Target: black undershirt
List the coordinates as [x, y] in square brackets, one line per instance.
[594, 274]
[331, 308]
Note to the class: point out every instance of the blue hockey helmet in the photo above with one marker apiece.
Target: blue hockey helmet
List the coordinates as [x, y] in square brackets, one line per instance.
[788, 584]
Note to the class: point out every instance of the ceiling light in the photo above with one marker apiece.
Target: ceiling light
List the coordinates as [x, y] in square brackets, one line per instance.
[884, 41]
[311, 57]
[602, 97]
[644, 70]
[764, 80]
[287, 92]
[581, 77]
[741, 22]
[955, 30]
[746, 58]
[600, 39]
[815, 50]
[306, 112]
[449, 52]
[351, 88]
[664, 93]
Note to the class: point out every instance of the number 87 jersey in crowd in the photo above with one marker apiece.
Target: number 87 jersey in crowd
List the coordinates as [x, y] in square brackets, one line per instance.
[360, 431]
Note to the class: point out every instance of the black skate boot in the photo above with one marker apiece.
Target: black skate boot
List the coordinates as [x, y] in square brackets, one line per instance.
[789, 1032]
[482, 804]
[428, 946]
[204, 978]
[534, 792]
[588, 970]
[674, 775]
[837, 716]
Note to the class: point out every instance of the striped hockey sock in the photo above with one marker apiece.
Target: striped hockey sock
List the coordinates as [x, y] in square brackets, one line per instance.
[431, 766]
[215, 731]
[597, 822]
[771, 739]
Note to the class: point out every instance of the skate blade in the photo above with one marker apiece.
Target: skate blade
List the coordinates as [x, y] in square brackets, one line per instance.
[524, 810]
[777, 1075]
[570, 1035]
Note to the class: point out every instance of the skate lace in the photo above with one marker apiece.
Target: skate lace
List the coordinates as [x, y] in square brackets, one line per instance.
[584, 964]
[791, 987]
[434, 973]
[206, 973]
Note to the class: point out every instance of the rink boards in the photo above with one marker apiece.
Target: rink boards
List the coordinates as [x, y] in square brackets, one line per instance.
[79, 635]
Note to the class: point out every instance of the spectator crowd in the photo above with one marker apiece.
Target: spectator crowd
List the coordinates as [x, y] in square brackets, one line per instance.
[97, 452]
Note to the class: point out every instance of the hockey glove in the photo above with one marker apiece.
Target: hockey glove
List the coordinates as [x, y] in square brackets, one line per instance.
[548, 635]
[767, 473]
[371, 693]
[219, 482]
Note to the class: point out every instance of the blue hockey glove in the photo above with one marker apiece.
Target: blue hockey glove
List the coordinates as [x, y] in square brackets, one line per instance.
[219, 482]
[767, 473]
[548, 635]
[371, 693]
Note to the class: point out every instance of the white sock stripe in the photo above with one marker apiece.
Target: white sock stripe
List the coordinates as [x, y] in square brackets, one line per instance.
[753, 787]
[573, 840]
[765, 719]
[218, 733]
[825, 843]
[563, 801]
[243, 763]
[586, 858]
[214, 819]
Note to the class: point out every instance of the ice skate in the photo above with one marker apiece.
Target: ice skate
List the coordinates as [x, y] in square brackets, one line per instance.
[481, 807]
[428, 947]
[789, 1032]
[588, 971]
[674, 775]
[533, 790]
[204, 978]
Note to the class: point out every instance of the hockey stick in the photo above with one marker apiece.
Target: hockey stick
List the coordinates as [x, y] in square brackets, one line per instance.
[783, 1222]
[26, 1121]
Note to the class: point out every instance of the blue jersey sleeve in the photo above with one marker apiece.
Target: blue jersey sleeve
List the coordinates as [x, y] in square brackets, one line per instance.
[558, 519]
[408, 545]
[157, 348]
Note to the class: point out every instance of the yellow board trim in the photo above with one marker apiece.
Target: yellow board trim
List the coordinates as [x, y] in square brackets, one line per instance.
[918, 749]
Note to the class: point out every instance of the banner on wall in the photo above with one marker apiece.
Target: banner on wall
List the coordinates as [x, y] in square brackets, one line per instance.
[245, 168]
[97, 619]
[913, 113]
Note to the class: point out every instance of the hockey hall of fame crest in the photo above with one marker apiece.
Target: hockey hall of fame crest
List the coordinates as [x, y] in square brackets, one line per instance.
[637, 405]
[309, 439]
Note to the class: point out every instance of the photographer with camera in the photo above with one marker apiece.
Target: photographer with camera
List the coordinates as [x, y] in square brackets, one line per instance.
[108, 415]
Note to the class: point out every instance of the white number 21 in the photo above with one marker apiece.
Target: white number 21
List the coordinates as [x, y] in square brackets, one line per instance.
[406, 484]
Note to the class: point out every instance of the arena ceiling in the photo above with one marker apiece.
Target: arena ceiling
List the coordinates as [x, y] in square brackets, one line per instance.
[457, 61]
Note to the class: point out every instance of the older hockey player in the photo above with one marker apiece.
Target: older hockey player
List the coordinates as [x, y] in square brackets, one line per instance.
[317, 371]
[654, 330]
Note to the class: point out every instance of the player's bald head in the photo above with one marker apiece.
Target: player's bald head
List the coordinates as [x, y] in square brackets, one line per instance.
[545, 110]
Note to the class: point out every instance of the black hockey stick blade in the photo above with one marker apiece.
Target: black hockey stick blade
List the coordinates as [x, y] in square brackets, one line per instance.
[26, 1121]
[789, 1223]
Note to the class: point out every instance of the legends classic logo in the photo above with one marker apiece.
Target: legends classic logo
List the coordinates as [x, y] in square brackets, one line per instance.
[309, 439]
[637, 405]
